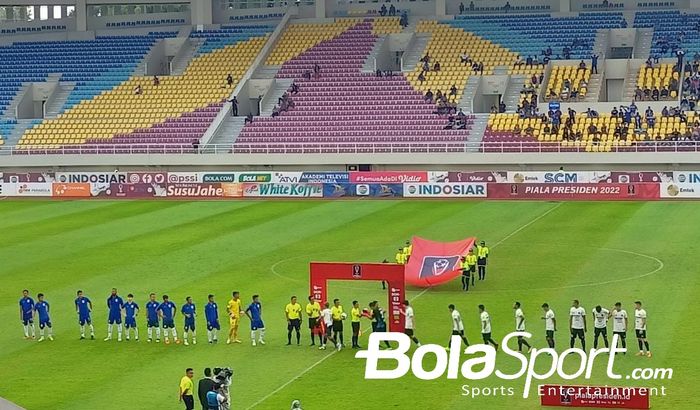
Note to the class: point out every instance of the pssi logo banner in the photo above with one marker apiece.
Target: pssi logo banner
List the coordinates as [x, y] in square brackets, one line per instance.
[273, 190]
[450, 190]
[432, 263]
[362, 190]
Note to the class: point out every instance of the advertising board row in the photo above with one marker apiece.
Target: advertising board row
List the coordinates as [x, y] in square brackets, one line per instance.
[372, 177]
[476, 190]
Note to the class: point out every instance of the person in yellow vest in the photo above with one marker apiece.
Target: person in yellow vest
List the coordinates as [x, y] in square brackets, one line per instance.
[468, 269]
[400, 257]
[292, 313]
[338, 315]
[313, 312]
[407, 250]
[482, 255]
[234, 314]
[355, 315]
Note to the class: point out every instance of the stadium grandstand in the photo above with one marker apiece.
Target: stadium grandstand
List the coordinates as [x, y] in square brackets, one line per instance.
[562, 134]
[423, 77]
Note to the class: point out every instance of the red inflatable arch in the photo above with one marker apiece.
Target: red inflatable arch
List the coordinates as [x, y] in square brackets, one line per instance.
[321, 272]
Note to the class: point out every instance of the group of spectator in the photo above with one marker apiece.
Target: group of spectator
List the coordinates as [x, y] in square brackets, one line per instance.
[477, 66]
[390, 12]
[462, 8]
[285, 102]
[446, 103]
[456, 121]
[500, 109]
[315, 72]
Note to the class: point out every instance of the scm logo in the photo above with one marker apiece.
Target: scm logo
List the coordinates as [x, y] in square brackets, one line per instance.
[482, 357]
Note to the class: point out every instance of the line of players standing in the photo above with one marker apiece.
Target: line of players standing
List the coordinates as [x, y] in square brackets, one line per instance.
[159, 315]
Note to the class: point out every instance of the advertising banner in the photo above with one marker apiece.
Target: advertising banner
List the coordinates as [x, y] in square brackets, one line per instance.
[274, 190]
[388, 177]
[617, 177]
[685, 177]
[450, 190]
[147, 177]
[71, 190]
[204, 190]
[103, 178]
[201, 177]
[15, 177]
[680, 191]
[595, 396]
[30, 189]
[362, 190]
[557, 177]
[310, 177]
[574, 191]
[462, 176]
[140, 190]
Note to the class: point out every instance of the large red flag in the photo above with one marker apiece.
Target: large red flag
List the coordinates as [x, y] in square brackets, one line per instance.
[433, 263]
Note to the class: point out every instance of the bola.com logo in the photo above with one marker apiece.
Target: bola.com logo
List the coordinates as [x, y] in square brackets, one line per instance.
[483, 357]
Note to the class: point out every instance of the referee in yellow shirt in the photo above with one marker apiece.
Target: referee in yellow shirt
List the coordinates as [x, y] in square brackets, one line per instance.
[187, 389]
[355, 315]
[407, 251]
[338, 316]
[293, 313]
[400, 257]
[313, 312]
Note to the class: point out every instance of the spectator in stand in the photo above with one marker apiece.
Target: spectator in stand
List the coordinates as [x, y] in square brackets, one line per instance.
[317, 70]
[647, 93]
[679, 57]
[506, 8]
[605, 5]
[421, 77]
[436, 66]
[673, 84]
[664, 112]
[428, 96]
[528, 61]
[392, 10]
[156, 81]
[480, 68]
[426, 66]
[229, 80]
[594, 63]
[248, 118]
[403, 21]
[382, 10]
[501, 107]
[295, 88]
[464, 58]
[461, 8]
[581, 66]
[471, 7]
[138, 90]
[438, 95]
[655, 94]
[493, 110]
[275, 111]
[453, 91]
[307, 74]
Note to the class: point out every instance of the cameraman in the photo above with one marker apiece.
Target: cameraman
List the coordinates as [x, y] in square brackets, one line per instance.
[216, 400]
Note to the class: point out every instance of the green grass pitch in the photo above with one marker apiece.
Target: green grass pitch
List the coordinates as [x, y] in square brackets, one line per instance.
[599, 253]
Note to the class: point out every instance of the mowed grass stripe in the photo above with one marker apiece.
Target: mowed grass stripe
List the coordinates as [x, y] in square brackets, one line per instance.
[19, 212]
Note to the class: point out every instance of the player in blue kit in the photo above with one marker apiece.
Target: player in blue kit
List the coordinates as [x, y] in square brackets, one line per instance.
[115, 304]
[190, 312]
[166, 312]
[42, 310]
[211, 311]
[26, 315]
[131, 310]
[254, 313]
[83, 307]
[152, 317]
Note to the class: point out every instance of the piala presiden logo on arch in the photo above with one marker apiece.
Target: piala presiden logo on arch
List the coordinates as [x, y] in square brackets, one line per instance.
[449, 362]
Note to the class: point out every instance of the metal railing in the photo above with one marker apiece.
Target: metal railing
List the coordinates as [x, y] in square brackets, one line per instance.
[471, 148]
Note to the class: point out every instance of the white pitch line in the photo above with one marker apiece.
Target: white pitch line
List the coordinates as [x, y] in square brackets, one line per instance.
[423, 292]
